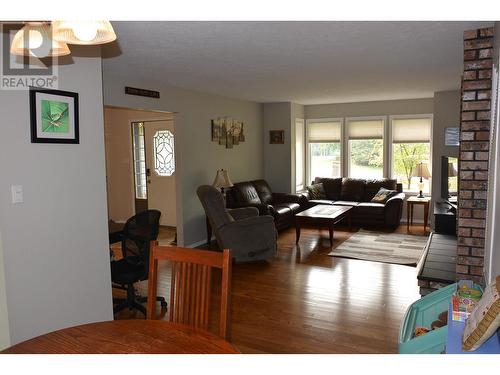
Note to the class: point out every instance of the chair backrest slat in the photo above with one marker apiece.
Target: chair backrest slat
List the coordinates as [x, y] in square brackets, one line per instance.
[190, 288]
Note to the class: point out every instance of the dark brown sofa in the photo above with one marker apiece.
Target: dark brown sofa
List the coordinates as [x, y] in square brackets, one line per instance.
[358, 194]
[281, 206]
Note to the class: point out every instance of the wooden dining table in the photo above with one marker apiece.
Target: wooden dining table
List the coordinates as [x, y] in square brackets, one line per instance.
[126, 336]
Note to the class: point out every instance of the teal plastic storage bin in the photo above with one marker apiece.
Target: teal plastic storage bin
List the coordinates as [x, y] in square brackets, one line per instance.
[421, 314]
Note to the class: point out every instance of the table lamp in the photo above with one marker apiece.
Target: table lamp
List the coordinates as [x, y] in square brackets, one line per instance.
[421, 170]
[222, 180]
[452, 172]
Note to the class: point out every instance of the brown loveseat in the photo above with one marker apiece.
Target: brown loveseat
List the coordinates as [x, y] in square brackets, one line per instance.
[281, 206]
[358, 194]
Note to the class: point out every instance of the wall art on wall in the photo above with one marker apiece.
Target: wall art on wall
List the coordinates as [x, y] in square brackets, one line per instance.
[276, 137]
[227, 132]
[451, 136]
[54, 116]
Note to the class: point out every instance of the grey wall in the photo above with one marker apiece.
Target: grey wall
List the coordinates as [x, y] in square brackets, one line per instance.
[446, 114]
[4, 314]
[197, 157]
[279, 159]
[55, 244]
[376, 108]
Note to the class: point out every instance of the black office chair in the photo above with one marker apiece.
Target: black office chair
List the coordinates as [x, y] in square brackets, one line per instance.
[138, 232]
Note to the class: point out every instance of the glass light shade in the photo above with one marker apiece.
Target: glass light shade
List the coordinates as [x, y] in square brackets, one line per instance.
[452, 171]
[35, 39]
[222, 179]
[84, 32]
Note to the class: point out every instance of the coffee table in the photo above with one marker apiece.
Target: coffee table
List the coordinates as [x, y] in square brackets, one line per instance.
[322, 216]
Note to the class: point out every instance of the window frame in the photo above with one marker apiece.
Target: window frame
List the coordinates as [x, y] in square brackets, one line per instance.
[307, 149]
[297, 156]
[429, 116]
[384, 143]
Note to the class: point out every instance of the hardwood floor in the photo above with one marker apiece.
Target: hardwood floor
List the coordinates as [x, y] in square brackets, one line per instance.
[307, 302]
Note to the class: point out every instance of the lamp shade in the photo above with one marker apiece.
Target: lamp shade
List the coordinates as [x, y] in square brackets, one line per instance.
[421, 170]
[222, 179]
[452, 171]
[84, 32]
[35, 39]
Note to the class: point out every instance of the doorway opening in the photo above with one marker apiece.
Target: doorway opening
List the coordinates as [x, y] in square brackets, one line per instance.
[140, 166]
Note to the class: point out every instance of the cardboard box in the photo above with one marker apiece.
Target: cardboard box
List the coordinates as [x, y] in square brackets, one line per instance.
[464, 300]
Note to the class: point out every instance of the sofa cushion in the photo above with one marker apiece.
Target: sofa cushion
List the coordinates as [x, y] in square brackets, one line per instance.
[368, 208]
[345, 203]
[373, 187]
[316, 191]
[353, 189]
[383, 195]
[332, 187]
[245, 192]
[264, 191]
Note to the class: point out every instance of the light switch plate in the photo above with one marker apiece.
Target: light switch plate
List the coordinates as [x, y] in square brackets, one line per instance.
[17, 193]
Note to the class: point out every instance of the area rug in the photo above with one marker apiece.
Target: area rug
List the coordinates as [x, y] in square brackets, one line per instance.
[397, 248]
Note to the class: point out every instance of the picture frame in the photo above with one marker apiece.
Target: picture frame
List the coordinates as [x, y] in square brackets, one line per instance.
[276, 137]
[54, 116]
[452, 136]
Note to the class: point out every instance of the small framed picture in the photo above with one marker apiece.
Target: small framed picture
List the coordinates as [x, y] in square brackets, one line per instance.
[276, 137]
[451, 136]
[54, 116]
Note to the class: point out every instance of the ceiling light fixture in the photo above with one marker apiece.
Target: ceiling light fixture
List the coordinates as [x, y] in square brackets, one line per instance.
[83, 32]
[34, 39]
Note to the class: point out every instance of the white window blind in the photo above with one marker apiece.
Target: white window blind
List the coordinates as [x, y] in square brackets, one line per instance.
[365, 129]
[415, 130]
[324, 131]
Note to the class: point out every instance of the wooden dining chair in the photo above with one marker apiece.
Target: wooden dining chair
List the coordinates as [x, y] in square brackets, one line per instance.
[191, 285]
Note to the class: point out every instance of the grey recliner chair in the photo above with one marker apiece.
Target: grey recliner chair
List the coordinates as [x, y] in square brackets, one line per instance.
[251, 237]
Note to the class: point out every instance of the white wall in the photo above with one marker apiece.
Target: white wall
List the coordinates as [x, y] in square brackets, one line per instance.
[4, 314]
[492, 242]
[55, 244]
[197, 157]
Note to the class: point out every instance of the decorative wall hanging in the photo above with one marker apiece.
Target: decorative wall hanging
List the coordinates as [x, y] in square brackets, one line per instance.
[54, 116]
[276, 137]
[451, 136]
[227, 132]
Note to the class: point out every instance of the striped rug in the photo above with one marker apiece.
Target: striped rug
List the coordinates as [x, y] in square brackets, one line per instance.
[397, 248]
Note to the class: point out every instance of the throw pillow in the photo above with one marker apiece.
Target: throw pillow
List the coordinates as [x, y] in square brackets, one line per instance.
[317, 191]
[383, 195]
[483, 322]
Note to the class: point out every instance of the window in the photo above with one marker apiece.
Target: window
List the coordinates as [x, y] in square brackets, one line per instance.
[410, 146]
[299, 154]
[324, 148]
[366, 148]
[139, 160]
[164, 153]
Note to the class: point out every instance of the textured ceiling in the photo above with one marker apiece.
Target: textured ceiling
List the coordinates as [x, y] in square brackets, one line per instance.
[303, 62]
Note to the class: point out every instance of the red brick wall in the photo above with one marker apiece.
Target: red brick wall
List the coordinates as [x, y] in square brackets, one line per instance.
[474, 153]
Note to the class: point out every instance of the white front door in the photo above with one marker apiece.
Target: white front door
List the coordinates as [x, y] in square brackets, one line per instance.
[160, 165]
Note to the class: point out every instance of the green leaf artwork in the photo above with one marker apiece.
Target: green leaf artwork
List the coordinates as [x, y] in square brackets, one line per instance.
[55, 116]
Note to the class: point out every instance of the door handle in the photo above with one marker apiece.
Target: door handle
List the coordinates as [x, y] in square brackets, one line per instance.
[148, 172]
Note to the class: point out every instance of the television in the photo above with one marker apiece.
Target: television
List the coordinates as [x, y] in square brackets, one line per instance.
[449, 179]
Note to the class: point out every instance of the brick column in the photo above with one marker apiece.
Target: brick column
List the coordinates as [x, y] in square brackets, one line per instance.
[474, 153]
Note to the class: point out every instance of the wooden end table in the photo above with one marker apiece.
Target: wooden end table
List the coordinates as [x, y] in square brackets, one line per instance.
[410, 203]
[322, 216]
